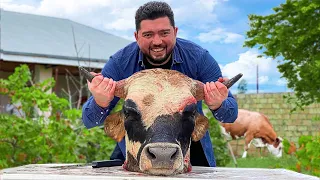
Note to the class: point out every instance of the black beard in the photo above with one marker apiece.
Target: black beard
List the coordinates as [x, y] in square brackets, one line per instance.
[158, 61]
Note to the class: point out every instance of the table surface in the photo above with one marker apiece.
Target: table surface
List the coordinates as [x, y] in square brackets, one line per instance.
[86, 172]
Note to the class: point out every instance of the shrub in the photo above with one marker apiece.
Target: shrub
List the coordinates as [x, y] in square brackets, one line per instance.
[307, 154]
[219, 143]
[34, 138]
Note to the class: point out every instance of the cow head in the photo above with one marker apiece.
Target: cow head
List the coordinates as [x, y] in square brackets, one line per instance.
[159, 119]
[276, 147]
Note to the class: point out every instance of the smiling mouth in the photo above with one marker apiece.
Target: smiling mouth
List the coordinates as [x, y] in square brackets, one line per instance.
[157, 49]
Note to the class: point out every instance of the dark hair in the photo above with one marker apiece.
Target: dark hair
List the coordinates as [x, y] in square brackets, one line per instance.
[153, 10]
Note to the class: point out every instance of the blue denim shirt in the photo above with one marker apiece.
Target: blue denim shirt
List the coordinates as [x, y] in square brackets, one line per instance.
[188, 58]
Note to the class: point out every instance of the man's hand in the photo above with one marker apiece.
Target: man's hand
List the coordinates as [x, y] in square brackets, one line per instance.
[215, 93]
[102, 89]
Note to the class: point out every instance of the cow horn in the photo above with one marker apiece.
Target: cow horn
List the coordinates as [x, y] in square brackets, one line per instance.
[199, 92]
[119, 92]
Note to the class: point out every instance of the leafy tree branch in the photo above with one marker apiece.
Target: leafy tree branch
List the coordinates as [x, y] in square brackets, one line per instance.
[292, 33]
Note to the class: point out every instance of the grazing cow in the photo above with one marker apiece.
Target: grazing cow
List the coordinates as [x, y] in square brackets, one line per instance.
[257, 129]
[157, 129]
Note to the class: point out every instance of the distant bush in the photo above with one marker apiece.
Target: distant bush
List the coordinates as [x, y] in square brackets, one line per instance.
[221, 151]
[307, 154]
[34, 138]
[28, 141]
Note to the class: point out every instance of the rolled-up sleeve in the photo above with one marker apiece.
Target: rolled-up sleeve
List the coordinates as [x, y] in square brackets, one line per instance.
[92, 114]
[228, 111]
[209, 71]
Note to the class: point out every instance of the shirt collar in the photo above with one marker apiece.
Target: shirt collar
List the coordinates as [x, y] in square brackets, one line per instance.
[176, 56]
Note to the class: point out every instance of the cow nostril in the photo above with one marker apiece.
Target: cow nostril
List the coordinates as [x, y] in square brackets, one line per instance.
[174, 155]
[150, 154]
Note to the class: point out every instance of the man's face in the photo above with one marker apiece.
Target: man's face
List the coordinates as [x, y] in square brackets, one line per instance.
[156, 39]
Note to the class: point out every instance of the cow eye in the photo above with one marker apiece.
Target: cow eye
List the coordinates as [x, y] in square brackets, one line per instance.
[130, 109]
[190, 111]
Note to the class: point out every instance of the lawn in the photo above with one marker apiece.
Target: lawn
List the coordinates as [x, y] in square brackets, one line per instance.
[265, 162]
[285, 162]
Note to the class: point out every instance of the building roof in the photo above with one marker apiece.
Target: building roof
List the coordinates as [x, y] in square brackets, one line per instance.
[49, 40]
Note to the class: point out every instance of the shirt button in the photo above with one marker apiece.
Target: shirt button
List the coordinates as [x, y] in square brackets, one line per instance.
[97, 123]
[101, 112]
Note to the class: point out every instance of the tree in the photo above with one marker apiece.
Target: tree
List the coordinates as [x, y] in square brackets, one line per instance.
[292, 33]
[242, 87]
[31, 139]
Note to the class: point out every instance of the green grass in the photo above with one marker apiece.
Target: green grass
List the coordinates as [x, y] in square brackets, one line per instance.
[285, 162]
[265, 162]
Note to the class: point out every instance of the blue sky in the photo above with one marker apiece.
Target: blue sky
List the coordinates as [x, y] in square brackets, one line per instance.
[217, 25]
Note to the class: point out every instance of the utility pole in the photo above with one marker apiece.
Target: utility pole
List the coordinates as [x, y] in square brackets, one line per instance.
[257, 78]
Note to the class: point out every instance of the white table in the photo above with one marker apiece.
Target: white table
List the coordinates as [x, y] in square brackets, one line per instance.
[74, 172]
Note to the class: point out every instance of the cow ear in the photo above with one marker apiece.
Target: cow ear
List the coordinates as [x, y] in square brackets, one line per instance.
[200, 128]
[114, 126]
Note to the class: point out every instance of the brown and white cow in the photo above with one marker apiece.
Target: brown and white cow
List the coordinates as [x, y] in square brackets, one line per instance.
[158, 120]
[256, 128]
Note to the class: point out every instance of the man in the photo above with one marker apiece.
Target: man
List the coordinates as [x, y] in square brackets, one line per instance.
[157, 46]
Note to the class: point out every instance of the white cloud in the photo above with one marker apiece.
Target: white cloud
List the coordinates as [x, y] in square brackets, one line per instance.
[183, 34]
[282, 82]
[18, 7]
[247, 65]
[198, 14]
[220, 35]
[111, 15]
[71, 7]
[120, 24]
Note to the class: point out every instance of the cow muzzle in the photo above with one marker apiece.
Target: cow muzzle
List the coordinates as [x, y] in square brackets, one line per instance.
[161, 159]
